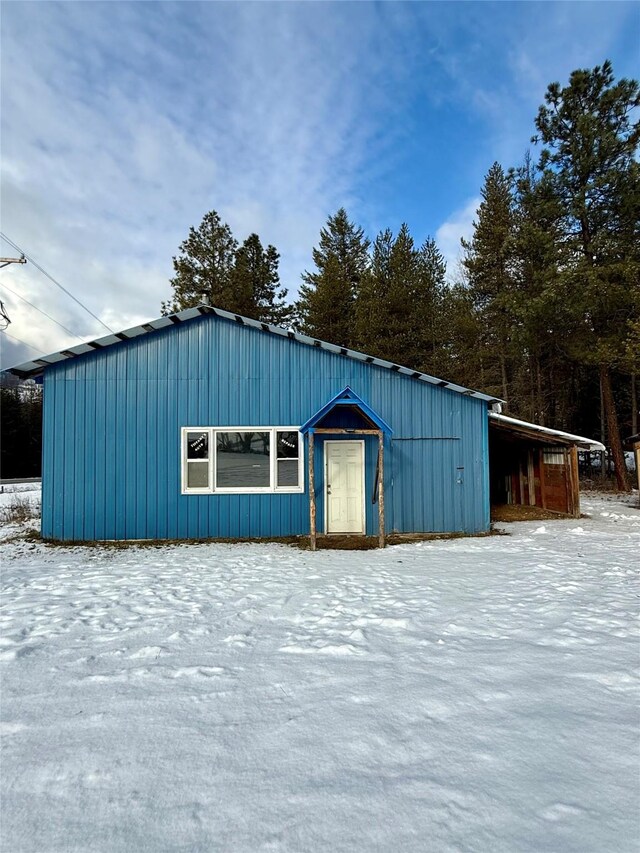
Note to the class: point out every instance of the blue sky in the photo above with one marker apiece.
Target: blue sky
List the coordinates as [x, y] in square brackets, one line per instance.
[123, 123]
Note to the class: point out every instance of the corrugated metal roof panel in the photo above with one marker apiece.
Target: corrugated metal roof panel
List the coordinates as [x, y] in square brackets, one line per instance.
[33, 367]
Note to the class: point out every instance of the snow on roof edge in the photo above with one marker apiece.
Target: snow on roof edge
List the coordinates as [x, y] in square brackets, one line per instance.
[589, 443]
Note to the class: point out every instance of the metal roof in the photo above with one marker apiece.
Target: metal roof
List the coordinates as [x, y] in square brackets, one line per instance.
[36, 366]
[347, 397]
[544, 432]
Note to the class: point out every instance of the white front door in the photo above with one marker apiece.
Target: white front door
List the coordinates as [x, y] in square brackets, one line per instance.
[344, 486]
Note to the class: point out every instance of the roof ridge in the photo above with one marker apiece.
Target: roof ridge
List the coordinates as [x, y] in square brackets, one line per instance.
[36, 366]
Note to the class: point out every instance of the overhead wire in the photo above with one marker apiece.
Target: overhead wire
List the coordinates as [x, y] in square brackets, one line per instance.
[44, 313]
[5, 320]
[18, 341]
[55, 281]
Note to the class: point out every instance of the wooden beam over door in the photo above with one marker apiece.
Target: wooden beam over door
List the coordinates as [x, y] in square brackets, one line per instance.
[337, 431]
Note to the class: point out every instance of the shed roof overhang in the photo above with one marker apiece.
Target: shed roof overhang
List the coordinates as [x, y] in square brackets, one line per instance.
[544, 435]
[347, 398]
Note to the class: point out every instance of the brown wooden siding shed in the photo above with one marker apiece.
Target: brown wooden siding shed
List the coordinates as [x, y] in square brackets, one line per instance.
[535, 466]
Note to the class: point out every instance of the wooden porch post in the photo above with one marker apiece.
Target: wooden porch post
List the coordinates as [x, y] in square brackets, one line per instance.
[543, 482]
[312, 493]
[531, 479]
[380, 489]
[574, 480]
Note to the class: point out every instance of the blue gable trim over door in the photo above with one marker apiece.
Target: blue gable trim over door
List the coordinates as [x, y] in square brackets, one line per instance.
[347, 397]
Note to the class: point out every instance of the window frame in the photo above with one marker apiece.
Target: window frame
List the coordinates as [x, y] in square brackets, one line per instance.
[185, 488]
[212, 489]
[554, 455]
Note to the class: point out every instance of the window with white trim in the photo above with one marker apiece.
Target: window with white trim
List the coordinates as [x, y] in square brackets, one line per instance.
[250, 460]
[196, 469]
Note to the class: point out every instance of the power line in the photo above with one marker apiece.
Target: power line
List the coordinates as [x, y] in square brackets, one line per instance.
[51, 278]
[18, 341]
[5, 320]
[44, 313]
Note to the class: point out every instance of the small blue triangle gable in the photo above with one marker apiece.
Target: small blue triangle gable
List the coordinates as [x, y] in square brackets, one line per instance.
[347, 397]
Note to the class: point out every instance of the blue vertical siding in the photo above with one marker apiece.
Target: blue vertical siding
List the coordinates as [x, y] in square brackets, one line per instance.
[111, 437]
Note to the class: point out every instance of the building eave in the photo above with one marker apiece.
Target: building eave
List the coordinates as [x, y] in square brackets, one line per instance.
[541, 433]
[37, 366]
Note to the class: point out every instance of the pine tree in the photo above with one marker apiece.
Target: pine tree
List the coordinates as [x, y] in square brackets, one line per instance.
[590, 144]
[12, 423]
[21, 429]
[401, 342]
[431, 315]
[489, 264]
[255, 283]
[371, 306]
[325, 307]
[461, 331]
[203, 268]
[541, 391]
[386, 309]
[212, 268]
[399, 306]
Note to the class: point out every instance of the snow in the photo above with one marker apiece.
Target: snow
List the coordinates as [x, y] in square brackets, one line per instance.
[588, 443]
[10, 491]
[464, 695]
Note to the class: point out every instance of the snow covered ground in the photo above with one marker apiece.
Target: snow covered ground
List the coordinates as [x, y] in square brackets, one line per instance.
[465, 695]
[12, 492]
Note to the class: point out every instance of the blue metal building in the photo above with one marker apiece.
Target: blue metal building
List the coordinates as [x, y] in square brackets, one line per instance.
[198, 425]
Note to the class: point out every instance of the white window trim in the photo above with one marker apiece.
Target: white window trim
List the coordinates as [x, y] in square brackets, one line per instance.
[185, 489]
[273, 488]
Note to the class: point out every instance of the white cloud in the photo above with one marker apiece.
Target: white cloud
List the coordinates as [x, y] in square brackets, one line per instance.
[124, 124]
[458, 225]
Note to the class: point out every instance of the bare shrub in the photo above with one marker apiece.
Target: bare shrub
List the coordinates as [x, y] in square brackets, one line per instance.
[18, 510]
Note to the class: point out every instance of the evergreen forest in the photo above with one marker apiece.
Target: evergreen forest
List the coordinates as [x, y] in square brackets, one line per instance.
[21, 430]
[543, 310]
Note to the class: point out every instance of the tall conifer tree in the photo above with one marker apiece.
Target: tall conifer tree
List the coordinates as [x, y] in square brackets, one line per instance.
[431, 314]
[371, 306]
[490, 269]
[398, 311]
[213, 269]
[203, 267]
[386, 307]
[590, 145]
[541, 390]
[255, 281]
[401, 341]
[325, 306]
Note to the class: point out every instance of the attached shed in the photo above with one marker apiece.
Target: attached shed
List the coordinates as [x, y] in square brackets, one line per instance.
[535, 466]
[633, 443]
[205, 424]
